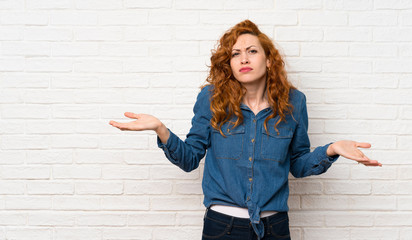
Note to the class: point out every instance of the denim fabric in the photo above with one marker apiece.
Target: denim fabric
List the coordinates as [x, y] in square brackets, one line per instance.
[219, 226]
[249, 167]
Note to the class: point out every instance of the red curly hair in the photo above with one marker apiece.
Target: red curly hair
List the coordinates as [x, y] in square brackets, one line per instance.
[228, 92]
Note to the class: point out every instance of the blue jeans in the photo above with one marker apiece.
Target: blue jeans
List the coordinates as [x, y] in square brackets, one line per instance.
[220, 226]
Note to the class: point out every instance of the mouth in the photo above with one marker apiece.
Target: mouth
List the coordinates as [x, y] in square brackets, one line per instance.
[245, 69]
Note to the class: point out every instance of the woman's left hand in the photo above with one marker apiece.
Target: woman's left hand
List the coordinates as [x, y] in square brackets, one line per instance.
[349, 149]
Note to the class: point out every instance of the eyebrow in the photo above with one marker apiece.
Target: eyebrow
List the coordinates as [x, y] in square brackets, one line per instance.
[234, 49]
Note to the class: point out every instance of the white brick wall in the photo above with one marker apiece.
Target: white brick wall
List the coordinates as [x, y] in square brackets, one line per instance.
[67, 67]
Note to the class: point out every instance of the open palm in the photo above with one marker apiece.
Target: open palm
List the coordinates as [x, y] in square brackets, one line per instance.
[142, 122]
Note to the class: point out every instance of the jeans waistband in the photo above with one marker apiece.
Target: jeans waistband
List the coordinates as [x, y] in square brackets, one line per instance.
[242, 221]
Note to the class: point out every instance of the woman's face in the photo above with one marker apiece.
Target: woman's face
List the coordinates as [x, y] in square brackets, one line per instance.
[248, 60]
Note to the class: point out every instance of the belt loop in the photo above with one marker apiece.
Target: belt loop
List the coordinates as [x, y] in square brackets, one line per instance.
[204, 217]
[230, 225]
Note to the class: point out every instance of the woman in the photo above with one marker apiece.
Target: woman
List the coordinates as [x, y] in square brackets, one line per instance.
[253, 125]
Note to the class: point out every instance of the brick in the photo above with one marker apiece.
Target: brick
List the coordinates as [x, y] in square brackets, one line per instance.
[124, 81]
[343, 34]
[148, 65]
[176, 203]
[305, 187]
[77, 233]
[74, 141]
[99, 188]
[12, 4]
[75, 112]
[405, 234]
[377, 18]
[125, 172]
[77, 172]
[365, 81]
[123, 142]
[145, 4]
[185, 233]
[11, 33]
[397, 4]
[398, 97]
[398, 219]
[171, 172]
[349, 219]
[148, 96]
[98, 157]
[277, 18]
[347, 188]
[372, 203]
[405, 18]
[361, 172]
[405, 50]
[324, 49]
[26, 49]
[49, 127]
[25, 172]
[207, 33]
[47, 34]
[76, 203]
[12, 188]
[12, 219]
[180, 80]
[296, 65]
[349, 5]
[49, 65]
[12, 157]
[124, 49]
[11, 65]
[343, 66]
[404, 203]
[24, 18]
[307, 34]
[48, 96]
[152, 33]
[326, 233]
[11, 127]
[123, 18]
[315, 81]
[312, 202]
[46, 188]
[125, 203]
[29, 233]
[229, 18]
[97, 4]
[326, 112]
[145, 157]
[405, 173]
[28, 203]
[173, 49]
[189, 188]
[306, 219]
[76, 18]
[89, 127]
[25, 142]
[98, 96]
[151, 219]
[322, 19]
[298, 4]
[98, 34]
[377, 233]
[391, 188]
[202, 4]
[127, 233]
[147, 187]
[373, 50]
[26, 80]
[392, 34]
[190, 218]
[101, 219]
[48, 4]
[372, 112]
[167, 17]
[74, 49]
[51, 219]
[347, 96]
[98, 66]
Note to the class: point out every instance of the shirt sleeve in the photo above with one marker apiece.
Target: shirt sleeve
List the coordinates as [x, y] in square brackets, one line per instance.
[303, 162]
[187, 154]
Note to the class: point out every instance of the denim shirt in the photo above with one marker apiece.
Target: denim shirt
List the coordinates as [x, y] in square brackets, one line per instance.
[249, 167]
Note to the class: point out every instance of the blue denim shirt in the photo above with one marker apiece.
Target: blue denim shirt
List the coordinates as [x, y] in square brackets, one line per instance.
[249, 167]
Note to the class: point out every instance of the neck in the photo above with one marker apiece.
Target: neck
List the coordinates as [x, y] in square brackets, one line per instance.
[255, 96]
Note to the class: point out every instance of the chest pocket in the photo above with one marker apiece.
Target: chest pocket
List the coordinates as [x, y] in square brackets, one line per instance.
[230, 146]
[275, 145]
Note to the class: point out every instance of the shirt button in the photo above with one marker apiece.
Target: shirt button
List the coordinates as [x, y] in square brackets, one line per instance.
[254, 120]
[250, 158]
[253, 140]
[248, 198]
[250, 179]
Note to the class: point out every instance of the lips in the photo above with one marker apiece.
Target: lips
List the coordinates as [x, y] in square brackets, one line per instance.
[245, 69]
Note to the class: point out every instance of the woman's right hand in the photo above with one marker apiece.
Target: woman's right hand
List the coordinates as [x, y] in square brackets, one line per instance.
[143, 122]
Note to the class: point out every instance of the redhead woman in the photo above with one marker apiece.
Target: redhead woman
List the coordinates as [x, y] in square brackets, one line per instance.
[252, 125]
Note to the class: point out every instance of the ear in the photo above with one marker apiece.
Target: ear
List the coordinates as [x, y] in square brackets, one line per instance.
[267, 63]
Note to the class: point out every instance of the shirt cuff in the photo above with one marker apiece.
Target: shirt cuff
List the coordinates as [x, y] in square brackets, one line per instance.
[325, 158]
[170, 147]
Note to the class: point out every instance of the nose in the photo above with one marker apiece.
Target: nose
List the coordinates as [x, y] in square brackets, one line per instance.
[245, 60]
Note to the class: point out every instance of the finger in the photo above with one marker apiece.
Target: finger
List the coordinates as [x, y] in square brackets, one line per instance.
[363, 144]
[131, 115]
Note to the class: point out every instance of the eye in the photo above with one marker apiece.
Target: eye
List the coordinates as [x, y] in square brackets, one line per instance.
[253, 51]
[235, 54]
